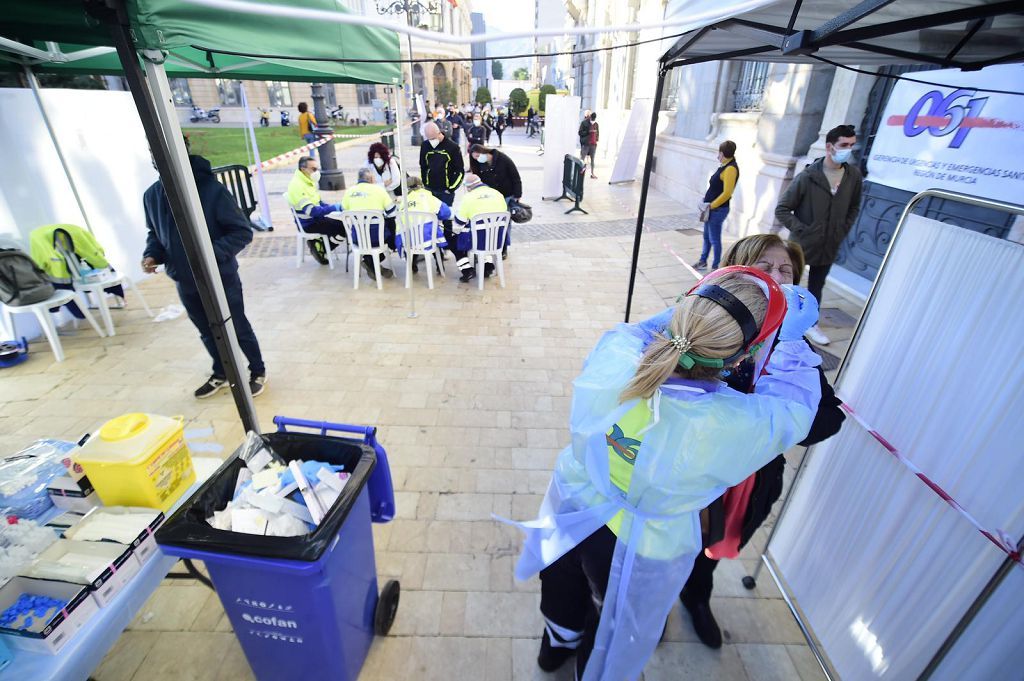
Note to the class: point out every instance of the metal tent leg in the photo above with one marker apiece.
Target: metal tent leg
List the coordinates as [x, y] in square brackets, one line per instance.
[645, 185]
[156, 109]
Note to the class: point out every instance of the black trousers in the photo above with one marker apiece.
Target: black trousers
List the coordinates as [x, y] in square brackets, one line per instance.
[697, 589]
[243, 329]
[816, 280]
[326, 226]
[572, 590]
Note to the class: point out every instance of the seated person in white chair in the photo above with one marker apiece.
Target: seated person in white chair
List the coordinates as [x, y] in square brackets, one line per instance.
[303, 196]
[45, 246]
[420, 199]
[479, 199]
[366, 194]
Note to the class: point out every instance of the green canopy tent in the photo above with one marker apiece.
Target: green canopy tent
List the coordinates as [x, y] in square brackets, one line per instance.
[147, 41]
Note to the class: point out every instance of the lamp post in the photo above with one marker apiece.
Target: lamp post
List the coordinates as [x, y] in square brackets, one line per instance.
[412, 10]
[331, 176]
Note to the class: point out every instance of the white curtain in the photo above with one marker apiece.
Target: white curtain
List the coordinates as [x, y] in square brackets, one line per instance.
[561, 128]
[881, 566]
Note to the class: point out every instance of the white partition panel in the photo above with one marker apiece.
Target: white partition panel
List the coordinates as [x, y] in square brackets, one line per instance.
[882, 567]
[561, 127]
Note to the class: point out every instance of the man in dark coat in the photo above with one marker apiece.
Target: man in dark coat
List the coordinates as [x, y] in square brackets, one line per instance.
[441, 166]
[820, 206]
[230, 232]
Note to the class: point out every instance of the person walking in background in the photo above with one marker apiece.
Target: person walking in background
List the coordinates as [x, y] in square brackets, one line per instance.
[230, 232]
[307, 124]
[477, 133]
[593, 135]
[500, 123]
[819, 208]
[715, 207]
[584, 133]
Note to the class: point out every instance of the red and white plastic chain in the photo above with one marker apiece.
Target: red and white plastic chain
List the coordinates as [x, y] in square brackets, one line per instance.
[999, 537]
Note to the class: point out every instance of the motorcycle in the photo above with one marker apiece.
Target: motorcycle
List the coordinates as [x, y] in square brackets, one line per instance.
[285, 119]
[264, 118]
[213, 115]
[337, 113]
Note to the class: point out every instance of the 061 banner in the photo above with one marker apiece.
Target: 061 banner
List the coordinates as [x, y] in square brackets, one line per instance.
[962, 136]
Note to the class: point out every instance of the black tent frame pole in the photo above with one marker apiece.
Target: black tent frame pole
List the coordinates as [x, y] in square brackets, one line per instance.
[175, 177]
[646, 183]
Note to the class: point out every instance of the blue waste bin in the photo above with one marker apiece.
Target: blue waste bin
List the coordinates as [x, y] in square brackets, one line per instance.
[302, 607]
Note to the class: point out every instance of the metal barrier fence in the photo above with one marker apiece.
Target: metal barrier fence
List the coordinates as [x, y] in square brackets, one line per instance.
[572, 182]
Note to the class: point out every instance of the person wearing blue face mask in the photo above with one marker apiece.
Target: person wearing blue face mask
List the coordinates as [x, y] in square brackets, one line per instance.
[820, 207]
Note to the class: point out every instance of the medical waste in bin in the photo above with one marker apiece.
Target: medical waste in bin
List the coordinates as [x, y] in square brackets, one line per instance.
[303, 607]
[138, 460]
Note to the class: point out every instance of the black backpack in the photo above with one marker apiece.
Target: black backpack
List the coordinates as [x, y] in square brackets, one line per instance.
[21, 281]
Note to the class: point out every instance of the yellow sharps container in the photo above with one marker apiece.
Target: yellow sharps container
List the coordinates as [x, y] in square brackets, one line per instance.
[138, 460]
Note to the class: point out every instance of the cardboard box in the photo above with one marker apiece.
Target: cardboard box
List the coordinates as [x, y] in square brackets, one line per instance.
[62, 626]
[143, 545]
[67, 495]
[105, 582]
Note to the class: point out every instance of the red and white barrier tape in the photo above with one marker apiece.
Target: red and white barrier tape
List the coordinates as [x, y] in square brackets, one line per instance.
[303, 149]
[291, 154]
[697, 275]
[999, 537]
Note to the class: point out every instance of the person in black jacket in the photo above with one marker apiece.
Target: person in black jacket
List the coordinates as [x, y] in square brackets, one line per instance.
[477, 133]
[497, 170]
[441, 166]
[230, 232]
[500, 123]
[784, 262]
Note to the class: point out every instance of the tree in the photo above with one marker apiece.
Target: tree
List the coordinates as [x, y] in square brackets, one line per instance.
[483, 95]
[521, 74]
[519, 100]
[545, 90]
[497, 70]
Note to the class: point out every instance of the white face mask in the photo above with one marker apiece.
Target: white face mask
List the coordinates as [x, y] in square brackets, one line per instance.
[315, 176]
[434, 142]
[379, 162]
[476, 121]
[483, 158]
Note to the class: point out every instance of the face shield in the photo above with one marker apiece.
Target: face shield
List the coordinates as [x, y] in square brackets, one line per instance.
[757, 341]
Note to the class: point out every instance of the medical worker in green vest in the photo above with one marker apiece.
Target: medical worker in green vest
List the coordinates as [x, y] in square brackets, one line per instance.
[366, 194]
[479, 199]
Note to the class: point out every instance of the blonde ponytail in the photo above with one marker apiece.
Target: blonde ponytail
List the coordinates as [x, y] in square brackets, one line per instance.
[705, 328]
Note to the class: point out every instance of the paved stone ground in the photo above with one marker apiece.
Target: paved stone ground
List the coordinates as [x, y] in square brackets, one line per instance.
[471, 397]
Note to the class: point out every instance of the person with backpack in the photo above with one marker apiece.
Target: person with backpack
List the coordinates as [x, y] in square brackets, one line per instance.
[592, 136]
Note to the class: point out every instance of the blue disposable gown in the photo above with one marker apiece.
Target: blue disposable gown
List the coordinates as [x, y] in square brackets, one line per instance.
[702, 438]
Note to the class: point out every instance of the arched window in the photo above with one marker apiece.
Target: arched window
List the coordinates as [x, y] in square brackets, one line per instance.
[440, 83]
[419, 84]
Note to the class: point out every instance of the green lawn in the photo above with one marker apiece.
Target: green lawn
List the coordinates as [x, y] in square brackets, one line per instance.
[227, 146]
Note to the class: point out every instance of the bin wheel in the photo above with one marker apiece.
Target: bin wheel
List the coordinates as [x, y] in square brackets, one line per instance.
[387, 606]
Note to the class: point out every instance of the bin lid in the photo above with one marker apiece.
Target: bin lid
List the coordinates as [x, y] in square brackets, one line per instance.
[128, 439]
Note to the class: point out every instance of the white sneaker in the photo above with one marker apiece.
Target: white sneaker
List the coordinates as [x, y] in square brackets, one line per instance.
[816, 336]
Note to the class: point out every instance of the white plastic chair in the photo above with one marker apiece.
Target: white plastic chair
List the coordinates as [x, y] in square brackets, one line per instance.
[489, 229]
[415, 241]
[42, 312]
[97, 286]
[302, 237]
[359, 226]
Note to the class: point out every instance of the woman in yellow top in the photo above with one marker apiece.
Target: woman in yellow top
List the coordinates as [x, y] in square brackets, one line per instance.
[715, 207]
[307, 124]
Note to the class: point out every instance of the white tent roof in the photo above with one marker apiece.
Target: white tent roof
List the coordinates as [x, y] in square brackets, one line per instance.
[948, 33]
